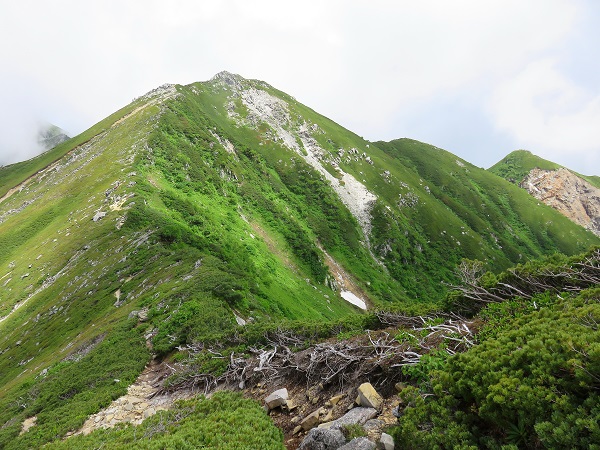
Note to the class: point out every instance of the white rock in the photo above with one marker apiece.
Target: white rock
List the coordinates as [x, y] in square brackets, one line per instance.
[387, 442]
[277, 398]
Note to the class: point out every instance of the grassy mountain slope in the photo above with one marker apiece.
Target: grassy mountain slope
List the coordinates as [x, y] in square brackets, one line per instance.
[207, 205]
[480, 215]
[516, 165]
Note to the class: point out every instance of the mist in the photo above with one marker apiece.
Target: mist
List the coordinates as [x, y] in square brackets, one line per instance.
[20, 123]
[26, 108]
[18, 136]
[477, 78]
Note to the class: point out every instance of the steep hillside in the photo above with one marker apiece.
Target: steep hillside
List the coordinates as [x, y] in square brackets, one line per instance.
[214, 213]
[482, 216]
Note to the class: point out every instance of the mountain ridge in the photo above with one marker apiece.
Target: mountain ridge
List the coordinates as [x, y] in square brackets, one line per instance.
[218, 204]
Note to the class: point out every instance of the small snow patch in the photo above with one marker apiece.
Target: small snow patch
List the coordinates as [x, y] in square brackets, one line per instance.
[351, 298]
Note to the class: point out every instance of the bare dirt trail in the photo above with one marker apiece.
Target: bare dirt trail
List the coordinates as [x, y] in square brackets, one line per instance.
[138, 404]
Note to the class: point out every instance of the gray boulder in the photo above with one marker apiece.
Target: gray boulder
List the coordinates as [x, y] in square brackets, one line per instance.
[99, 215]
[361, 443]
[387, 442]
[323, 439]
[355, 416]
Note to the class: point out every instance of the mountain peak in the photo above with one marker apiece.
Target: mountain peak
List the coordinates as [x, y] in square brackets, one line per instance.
[231, 79]
[211, 214]
[49, 136]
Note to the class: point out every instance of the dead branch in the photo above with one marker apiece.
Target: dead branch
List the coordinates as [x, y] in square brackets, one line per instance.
[332, 362]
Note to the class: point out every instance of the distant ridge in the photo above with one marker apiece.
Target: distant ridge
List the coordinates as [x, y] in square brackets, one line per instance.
[573, 195]
[50, 136]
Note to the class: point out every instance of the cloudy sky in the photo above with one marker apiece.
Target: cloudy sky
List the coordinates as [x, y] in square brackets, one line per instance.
[479, 78]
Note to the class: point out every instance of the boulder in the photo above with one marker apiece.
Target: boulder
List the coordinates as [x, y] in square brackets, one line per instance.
[323, 439]
[290, 404]
[361, 443]
[369, 397]
[386, 442]
[142, 314]
[335, 400]
[373, 424]
[277, 398]
[99, 215]
[328, 417]
[311, 421]
[354, 416]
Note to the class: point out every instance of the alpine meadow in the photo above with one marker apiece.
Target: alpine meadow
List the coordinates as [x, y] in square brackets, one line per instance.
[219, 266]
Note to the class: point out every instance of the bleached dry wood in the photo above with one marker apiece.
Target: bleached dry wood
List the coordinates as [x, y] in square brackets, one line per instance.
[371, 355]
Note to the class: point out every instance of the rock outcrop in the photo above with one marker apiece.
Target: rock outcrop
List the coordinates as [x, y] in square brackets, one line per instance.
[356, 416]
[569, 194]
[323, 439]
[361, 443]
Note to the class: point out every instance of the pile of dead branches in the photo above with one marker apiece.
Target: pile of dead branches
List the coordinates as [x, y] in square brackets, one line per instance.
[374, 355]
[520, 282]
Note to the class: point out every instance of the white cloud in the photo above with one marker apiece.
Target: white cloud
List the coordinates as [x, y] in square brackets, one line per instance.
[546, 112]
[429, 48]
[365, 65]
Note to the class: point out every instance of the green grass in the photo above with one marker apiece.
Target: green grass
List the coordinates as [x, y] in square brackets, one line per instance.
[69, 392]
[468, 212]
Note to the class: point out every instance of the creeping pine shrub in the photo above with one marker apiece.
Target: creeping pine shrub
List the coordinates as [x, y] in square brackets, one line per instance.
[71, 391]
[226, 421]
[533, 385]
[420, 372]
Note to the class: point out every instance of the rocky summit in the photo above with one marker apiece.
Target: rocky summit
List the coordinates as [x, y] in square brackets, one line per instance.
[217, 265]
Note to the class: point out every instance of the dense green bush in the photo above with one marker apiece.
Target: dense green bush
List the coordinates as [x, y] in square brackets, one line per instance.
[534, 384]
[72, 390]
[226, 421]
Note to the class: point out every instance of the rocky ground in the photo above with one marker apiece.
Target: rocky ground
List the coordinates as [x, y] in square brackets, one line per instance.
[314, 417]
[138, 404]
[567, 193]
[320, 418]
[311, 418]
